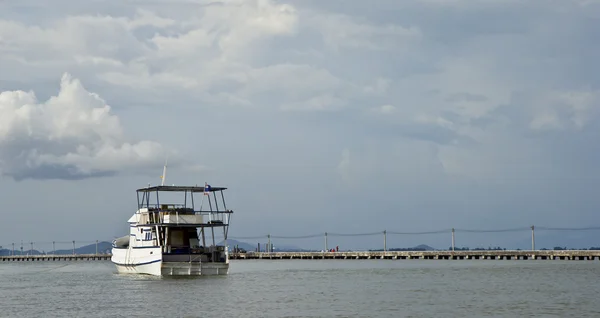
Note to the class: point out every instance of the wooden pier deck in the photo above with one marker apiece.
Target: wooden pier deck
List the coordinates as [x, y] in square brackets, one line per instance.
[429, 255]
[40, 258]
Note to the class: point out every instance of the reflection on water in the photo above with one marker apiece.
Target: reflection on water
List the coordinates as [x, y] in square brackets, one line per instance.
[307, 288]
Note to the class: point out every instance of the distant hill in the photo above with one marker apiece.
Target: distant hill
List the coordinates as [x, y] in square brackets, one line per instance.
[425, 247]
[103, 248]
[242, 245]
[287, 248]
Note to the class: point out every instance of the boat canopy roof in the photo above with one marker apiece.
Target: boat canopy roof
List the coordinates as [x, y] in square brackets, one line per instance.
[181, 189]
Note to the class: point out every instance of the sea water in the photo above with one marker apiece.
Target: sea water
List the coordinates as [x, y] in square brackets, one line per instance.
[308, 288]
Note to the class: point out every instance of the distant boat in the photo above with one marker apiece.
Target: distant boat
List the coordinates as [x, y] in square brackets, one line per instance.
[169, 239]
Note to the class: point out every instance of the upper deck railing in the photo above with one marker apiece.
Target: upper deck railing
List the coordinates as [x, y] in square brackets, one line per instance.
[180, 209]
[146, 199]
[192, 189]
[182, 216]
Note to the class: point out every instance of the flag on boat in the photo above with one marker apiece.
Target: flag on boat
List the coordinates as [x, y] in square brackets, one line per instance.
[206, 188]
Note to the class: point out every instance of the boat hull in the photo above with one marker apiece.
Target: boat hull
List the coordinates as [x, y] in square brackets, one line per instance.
[149, 269]
[130, 261]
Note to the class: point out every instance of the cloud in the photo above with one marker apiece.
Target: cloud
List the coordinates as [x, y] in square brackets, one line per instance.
[85, 36]
[572, 109]
[453, 108]
[345, 32]
[210, 52]
[582, 105]
[324, 102]
[72, 135]
[230, 27]
[466, 97]
[546, 120]
[384, 109]
[567, 110]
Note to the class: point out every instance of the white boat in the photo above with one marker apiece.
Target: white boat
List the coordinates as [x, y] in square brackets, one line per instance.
[169, 239]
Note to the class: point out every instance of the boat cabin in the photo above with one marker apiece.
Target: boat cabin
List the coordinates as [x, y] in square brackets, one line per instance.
[178, 219]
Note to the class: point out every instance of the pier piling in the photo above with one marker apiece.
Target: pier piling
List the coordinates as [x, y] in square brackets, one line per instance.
[452, 239]
[533, 238]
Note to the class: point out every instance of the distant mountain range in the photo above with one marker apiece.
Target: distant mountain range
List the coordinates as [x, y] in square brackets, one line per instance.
[103, 248]
[287, 248]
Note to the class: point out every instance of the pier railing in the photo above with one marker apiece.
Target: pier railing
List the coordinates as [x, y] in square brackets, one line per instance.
[451, 232]
[86, 247]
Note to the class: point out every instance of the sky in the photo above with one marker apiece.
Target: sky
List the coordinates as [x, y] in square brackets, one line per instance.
[319, 116]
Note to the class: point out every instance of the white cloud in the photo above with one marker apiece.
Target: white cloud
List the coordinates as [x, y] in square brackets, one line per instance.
[71, 135]
[439, 121]
[572, 109]
[385, 109]
[547, 120]
[230, 27]
[583, 104]
[325, 102]
[380, 87]
[95, 36]
[296, 80]
[203, 50]
[342, 31]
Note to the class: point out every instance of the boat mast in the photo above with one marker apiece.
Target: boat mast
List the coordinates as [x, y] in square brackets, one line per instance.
[166, 229]
[164, 174]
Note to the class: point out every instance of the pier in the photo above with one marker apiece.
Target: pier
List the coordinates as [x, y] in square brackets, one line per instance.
[100, 250]
[349, 255]
[40, 258]
[428, 255]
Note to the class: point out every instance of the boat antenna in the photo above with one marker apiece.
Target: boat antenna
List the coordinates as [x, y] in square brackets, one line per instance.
[164, 174]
